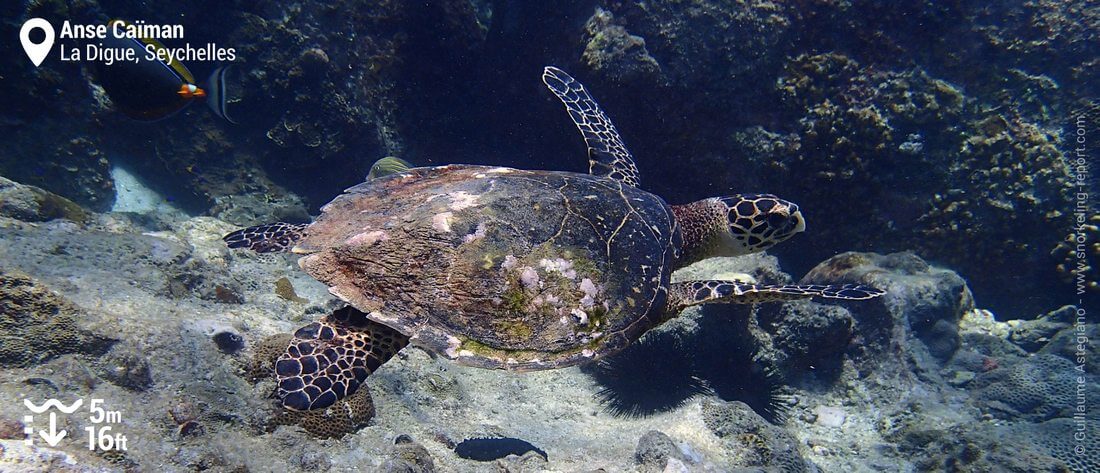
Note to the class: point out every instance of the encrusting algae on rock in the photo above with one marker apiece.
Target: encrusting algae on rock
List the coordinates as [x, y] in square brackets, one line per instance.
[38, 324]
[285, 289]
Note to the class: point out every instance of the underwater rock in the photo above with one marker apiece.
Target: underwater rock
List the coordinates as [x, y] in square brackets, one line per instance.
[993, 184]
[31, 204]
[312, 460]
[197, 278]
[843, 145]
[285, 290]
[759, 443]
[1086, 238]
[1035, 56]
[654, 451]
[1034, 335]
[1010, 188]
[704, 44]
[49, 138]
[976, 446]
[329, 124]
[69, 161]
[189, 418]
[1035, 389]
[125, 366]
[615, 53]
[920, 299]
[40, 457]
[61, 250]
[807, 334]
[1065, 344]
[408, 456]
[830, 416]
[276, 205]
[1077, 452]
[38, 325]
[1048, 35]
[493, 448]
[11, 429]
[228, 342]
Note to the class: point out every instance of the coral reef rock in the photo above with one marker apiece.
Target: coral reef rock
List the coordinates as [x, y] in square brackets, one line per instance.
[756, 442]
[922, 302]
[1037, 388]
[655, 451]
[32, 204]
[38, 324]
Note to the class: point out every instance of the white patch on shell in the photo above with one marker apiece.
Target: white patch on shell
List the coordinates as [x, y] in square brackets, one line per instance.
[367, 238]
[509, 262]
[590, 292]
[558, 265]
[501, 170]
[452, 347]
[465, 353]
[442, 221]
[580, 316]
[530, 278]
[587, 353]
[478, 234]
[462, 200]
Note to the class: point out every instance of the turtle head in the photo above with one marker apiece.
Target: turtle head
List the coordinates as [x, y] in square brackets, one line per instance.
[758, 221]
[735, 225]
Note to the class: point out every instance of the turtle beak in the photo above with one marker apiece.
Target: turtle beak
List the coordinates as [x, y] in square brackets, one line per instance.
[800, 222]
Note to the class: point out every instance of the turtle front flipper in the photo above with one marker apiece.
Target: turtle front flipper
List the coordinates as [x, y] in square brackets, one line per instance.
[607, 154]
[689, 293]
[267, 238]
[330, 359]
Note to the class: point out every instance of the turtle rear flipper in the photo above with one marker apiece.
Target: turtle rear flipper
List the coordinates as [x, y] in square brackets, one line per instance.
[689, 293]
[267, 238]
[329, 360]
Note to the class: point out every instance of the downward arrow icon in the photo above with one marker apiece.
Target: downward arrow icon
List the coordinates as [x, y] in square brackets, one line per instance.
[53, 437]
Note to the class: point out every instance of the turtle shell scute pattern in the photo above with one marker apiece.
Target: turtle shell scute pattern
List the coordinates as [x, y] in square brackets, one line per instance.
[329, 360]
[497, 267]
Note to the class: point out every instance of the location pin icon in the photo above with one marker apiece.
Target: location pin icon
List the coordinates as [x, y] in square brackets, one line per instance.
[37, 52]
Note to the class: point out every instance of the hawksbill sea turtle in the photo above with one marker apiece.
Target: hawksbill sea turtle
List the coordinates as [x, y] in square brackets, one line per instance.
[513, 269]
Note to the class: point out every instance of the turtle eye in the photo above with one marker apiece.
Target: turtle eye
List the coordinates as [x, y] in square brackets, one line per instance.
[778, 220]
